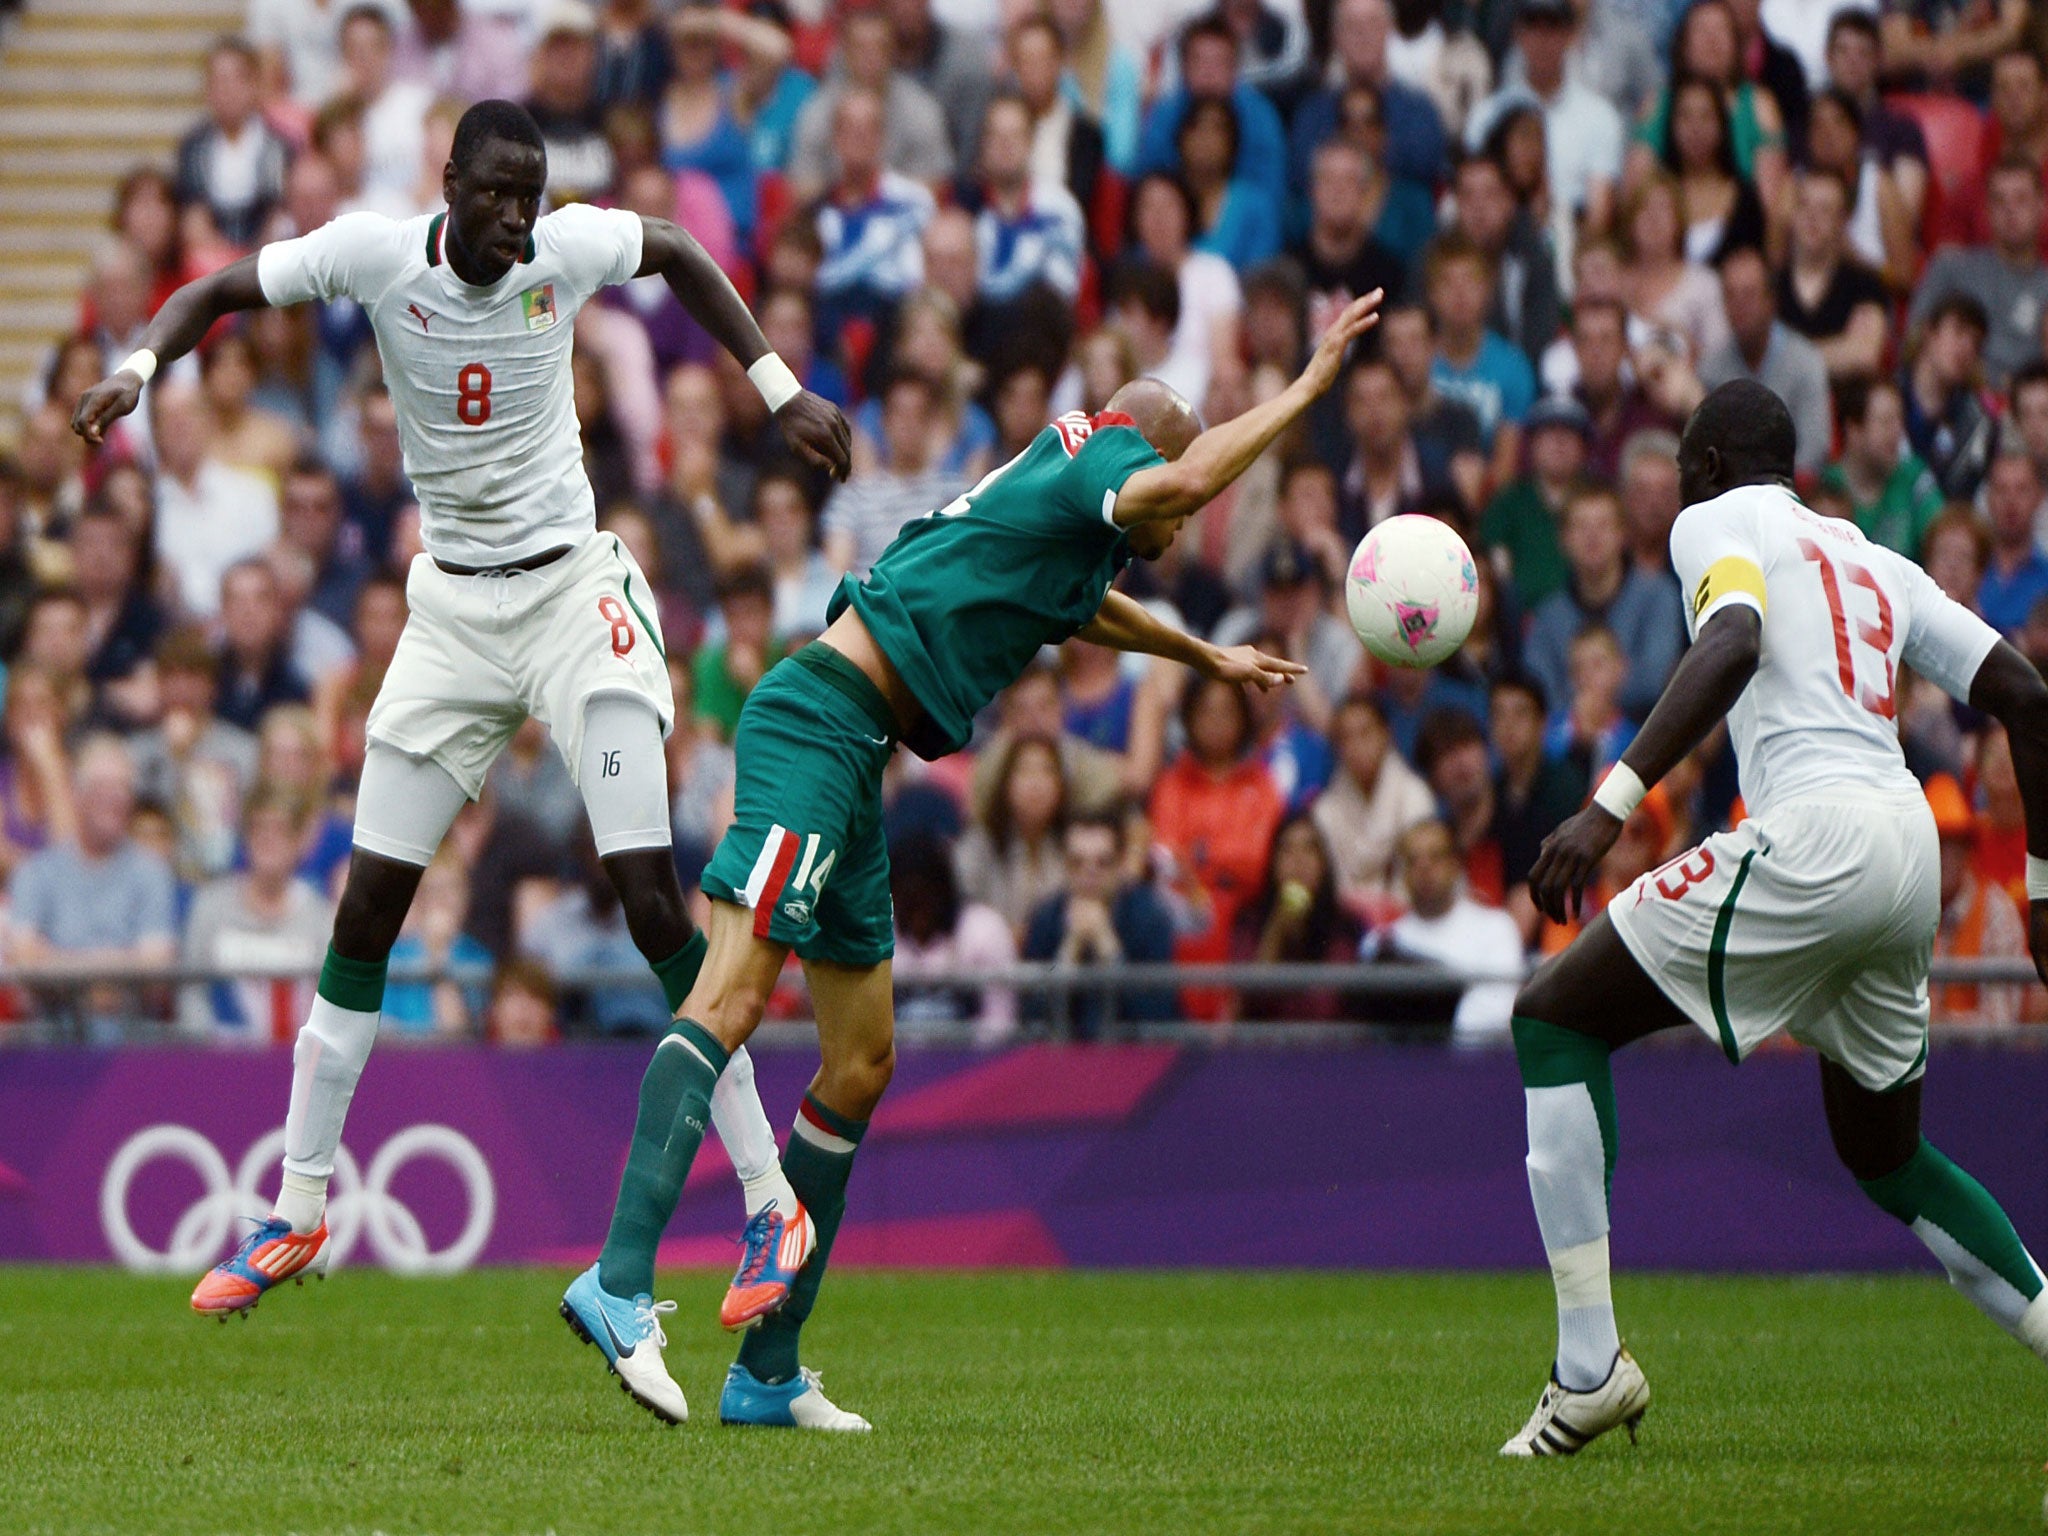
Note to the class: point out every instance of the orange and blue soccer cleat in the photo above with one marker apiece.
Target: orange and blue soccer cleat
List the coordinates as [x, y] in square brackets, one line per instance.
[270, 1254]
[774, 1249]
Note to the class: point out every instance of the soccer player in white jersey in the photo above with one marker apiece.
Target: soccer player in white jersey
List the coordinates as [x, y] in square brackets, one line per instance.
[1815, 916]
[518, 607]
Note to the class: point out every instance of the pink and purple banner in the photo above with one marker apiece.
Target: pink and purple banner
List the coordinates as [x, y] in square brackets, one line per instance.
[1039, 1156]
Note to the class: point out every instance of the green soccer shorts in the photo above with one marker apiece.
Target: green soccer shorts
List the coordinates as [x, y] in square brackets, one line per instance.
[805, 852]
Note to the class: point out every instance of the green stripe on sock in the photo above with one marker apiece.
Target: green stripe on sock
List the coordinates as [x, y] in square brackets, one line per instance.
[1551, 1056]
[357, 985]
[1717, 962]
[1928, 1187]
[678, 973]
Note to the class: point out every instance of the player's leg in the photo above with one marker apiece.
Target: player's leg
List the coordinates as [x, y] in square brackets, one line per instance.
[1877, 1136]
[404, 808]
[1569, 1019]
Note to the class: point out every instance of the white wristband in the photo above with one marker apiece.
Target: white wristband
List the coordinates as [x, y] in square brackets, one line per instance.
[141, 362]
[772, 377]
[2037, 879]
[1620, 792]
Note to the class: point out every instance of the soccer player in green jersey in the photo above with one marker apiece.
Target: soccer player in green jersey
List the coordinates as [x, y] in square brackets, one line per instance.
[948, 617]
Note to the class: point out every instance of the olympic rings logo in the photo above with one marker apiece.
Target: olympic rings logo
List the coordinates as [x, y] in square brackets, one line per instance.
[359, 1204]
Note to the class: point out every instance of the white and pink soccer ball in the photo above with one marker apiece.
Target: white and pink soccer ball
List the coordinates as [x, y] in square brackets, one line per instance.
[1412, 591]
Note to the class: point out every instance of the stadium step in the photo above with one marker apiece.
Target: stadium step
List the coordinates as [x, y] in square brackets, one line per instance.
[88, 82]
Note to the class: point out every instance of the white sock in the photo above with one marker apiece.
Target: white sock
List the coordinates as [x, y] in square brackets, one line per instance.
[2033, 1325]
[1568, 1185]
[742, 1125]
[327, 1062]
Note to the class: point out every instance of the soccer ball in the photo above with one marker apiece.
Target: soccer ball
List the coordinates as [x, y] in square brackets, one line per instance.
[1412, 591]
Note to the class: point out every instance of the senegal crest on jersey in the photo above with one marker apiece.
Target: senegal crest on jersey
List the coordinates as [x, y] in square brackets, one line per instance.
[539, 304]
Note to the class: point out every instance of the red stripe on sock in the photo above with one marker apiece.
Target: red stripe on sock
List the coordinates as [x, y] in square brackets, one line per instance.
[771, 892]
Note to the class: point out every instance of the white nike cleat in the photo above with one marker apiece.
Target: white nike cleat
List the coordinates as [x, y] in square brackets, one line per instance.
[629, 1335]
[1566, 1422]
[799, 1403]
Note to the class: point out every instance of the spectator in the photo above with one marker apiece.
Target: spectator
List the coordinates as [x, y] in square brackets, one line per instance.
[2006, 276]
[523, 1006]
[2027, 416]
[394, 110]
[1214, 810]
[1237, 218]
[57, 643]
[1675, 301]
[864, 516]
[565, 104]
[531, 781]
[703, 121]
[18, 564]
[1650, 498]
[95, 902]
[700, 776]
[1534, 790]
[1583, 133]
[444, 1002]
[1445, 926]
[1762, 347]
[1855, 63]
[193, 763]
[1067, 145]
[1473, 364]
[1294, 605]
[1709, 44]
[256, 671]
[123, 620]
[870, 222]
[1010, 860]
[1384, 477]
[909, 125]
[1296, 918]
[2018, 129]
[1398, 210]
[1373, 798]
[1203, 324]
[1613, 51]
[1521, 523]
[1209, 54]
[1102, 918]
[376, 490]
[1027, 232]
[1979, 921]
[36, 805]
[954, 63]
[1723, 212]
[1880, 227]
[310, 523]
[1956, 553]
[1415, 144]
[1615, 405]
[1448, 441]
[1034, 706]
[233, 163]
[1305, 513]
[1601, 587]
[927, 342]
[1589, 727]
[1526, 309]
[726, 671]
[1107, 77]
[804, 579]
[1892, 496]
[1644, 840]
[1951, 420]
[2017, 576]
[937, 931]
[265, 919]
[1826, 294]
[208, 516]
[243, 435]
[1340, 254]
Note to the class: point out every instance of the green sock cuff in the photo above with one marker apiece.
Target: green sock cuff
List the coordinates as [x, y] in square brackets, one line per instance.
[1904, 1191]
[1551, 1056]
[1928, 1187]
[831, 1120]
[357, 985]
[700, 1037]
[678, 973]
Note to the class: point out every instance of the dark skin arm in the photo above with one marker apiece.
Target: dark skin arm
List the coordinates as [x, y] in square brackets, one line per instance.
[813, 425]
[2008, 689]
[176, 329]
[1702, 690]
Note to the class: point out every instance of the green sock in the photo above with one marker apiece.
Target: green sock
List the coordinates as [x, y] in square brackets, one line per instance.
[675, 1106]
[1966, 1229]
[678, 973]
[817, 1161]
[1553, 1057]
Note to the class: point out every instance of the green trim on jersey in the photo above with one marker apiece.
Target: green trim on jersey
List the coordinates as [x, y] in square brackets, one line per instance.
[1717, 962]
[434, 239]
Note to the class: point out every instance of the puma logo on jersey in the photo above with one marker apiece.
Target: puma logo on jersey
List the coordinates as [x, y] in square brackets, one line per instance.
[421, 315]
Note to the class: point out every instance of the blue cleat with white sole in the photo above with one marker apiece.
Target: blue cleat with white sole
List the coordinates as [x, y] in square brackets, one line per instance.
[628, 1334]
[799, 1403]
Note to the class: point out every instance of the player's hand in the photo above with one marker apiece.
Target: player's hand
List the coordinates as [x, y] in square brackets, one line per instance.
[816, 430]
[1570, 855]
[1359, 316]
[2037, 936]
[104, 404]
[1249, 664]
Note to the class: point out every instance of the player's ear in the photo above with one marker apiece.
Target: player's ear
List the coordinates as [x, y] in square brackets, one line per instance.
[448, 182]
[1710, 461]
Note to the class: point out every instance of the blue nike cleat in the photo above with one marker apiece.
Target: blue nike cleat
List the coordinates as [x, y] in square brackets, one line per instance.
[630, 1337]
[271, 1254]
[773, 1249]
[799, 1403]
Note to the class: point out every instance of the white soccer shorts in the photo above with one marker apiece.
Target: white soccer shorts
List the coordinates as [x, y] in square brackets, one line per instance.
[1817, 918]
[481, 653]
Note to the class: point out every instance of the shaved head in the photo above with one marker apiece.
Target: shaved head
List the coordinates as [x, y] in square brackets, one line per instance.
[1163, 418]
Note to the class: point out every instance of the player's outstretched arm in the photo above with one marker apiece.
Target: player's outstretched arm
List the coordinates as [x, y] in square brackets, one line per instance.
[1708, 681]
[1125, 624]
[1224, 452]
[186, 316]
[812, 424]
[2008, 689]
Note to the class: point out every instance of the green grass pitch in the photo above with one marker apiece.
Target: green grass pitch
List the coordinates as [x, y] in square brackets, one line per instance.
[1096, 1403]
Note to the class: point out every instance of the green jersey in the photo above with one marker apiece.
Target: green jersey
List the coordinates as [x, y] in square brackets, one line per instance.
[964, 598]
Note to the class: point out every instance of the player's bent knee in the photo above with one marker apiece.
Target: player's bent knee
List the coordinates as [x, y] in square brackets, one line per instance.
[374, 901]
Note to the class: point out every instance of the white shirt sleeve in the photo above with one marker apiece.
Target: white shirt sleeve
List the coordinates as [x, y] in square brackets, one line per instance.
[598, 247]
[1717, 559]
[330, 263]
[1945, 642]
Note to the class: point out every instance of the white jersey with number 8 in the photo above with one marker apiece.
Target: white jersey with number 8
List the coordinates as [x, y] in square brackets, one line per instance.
[480, 376]
[1841, 617]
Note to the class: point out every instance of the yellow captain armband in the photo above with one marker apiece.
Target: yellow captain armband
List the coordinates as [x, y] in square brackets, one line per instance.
[1732, 578]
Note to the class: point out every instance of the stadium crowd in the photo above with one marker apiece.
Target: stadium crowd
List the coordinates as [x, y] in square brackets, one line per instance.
[957, 218]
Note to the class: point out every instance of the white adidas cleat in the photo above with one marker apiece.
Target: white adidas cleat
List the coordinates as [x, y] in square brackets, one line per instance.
[799, 1403]
[1566, 1422]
